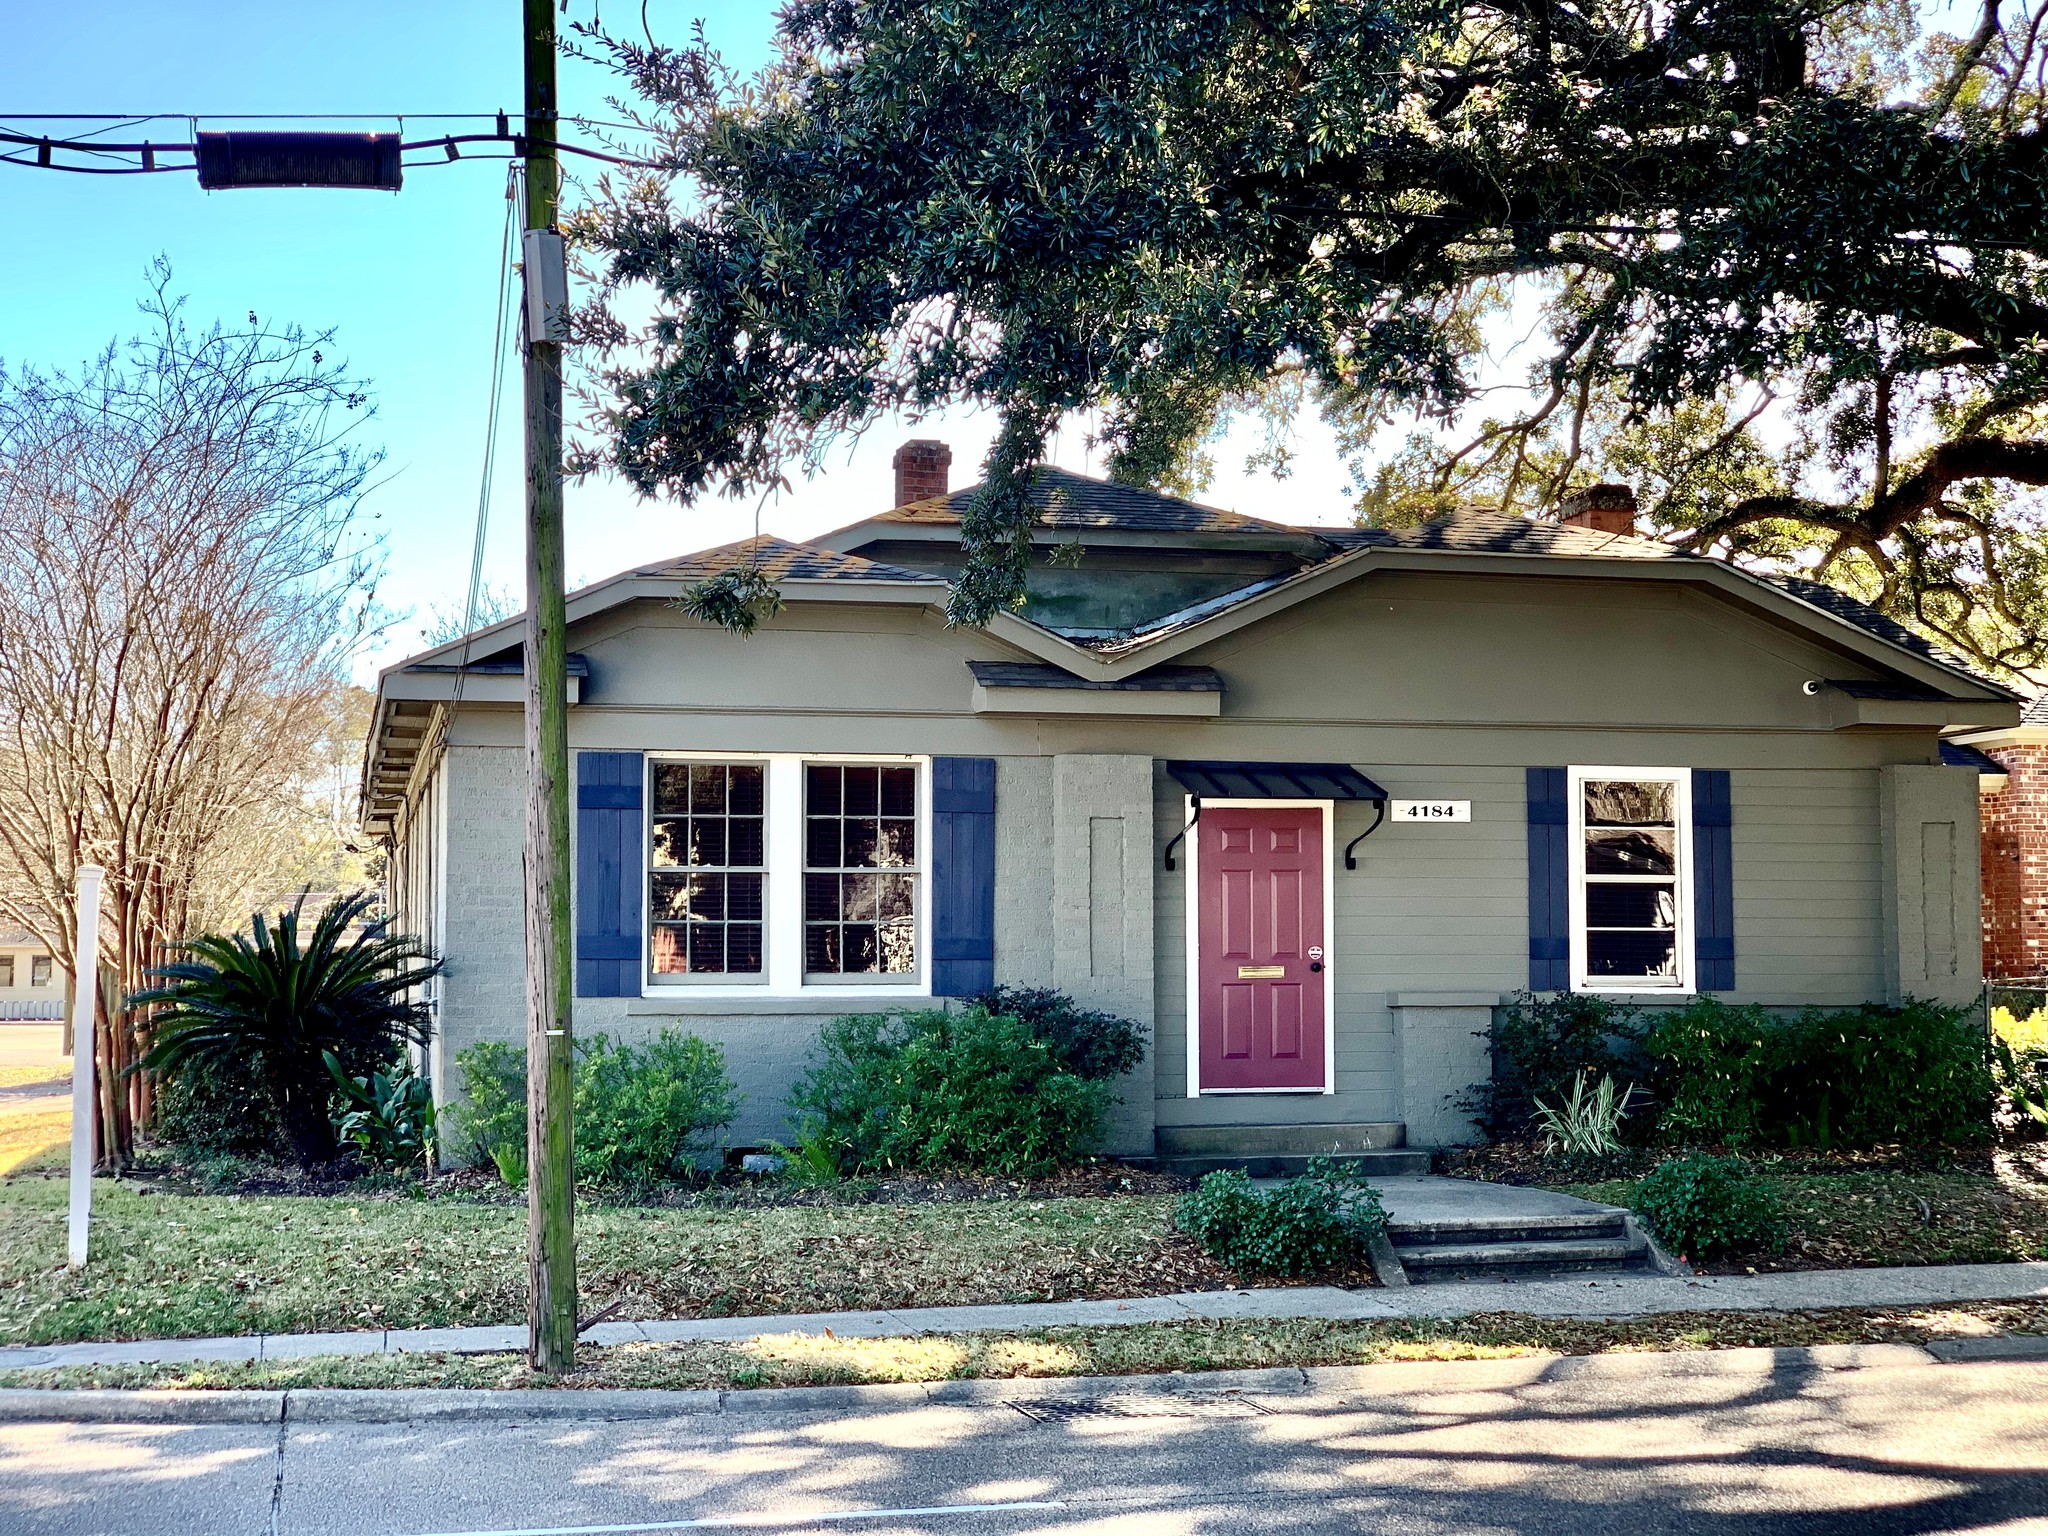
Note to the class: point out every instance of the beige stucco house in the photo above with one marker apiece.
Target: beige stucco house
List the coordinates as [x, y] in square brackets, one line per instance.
[31, 986]
[1308, 802]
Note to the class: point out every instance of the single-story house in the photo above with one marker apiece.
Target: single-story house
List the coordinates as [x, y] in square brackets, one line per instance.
[31, 986]
[1307, 802]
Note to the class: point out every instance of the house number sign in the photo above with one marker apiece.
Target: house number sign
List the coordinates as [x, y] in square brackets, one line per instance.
[1430, 810]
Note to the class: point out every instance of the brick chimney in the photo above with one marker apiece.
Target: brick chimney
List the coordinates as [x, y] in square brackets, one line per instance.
[923, 467]
[1603, 508]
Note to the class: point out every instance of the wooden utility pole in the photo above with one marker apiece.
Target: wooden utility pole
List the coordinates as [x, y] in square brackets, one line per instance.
[550, 1143]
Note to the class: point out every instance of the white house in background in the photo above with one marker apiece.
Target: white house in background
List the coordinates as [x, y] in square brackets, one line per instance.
[31, 985]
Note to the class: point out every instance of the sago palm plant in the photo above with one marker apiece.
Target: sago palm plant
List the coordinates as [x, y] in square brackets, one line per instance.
[270, 1006]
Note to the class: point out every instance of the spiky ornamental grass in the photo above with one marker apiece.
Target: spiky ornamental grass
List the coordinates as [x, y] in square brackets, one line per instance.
[269, 1007]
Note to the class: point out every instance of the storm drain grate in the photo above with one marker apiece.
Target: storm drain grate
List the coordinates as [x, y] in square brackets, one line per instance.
[1190, 1405]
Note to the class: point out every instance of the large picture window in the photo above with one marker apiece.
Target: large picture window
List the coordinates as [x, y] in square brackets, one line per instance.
[784, 875]
[1631, 879]
[707, 887]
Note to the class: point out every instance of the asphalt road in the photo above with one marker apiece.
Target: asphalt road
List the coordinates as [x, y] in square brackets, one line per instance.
[1636, 1445]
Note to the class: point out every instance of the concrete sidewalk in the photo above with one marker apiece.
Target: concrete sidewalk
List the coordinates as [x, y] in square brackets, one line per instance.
[1562, 1297]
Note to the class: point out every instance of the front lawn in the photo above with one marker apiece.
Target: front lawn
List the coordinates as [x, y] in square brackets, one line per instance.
[790, 1360]
[168, 1266]
[1854, 1219]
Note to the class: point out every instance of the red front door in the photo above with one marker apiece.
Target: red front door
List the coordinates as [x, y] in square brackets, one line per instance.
[1260, 947]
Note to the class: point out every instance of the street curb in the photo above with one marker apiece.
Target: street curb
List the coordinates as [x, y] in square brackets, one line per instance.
[1275, 1390]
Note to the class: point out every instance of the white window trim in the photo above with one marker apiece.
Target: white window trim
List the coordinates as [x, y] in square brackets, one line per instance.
[1193, 1011]
[1575, 795]
[782, 937]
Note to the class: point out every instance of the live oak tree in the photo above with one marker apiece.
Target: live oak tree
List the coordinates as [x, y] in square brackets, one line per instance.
[1722, 216]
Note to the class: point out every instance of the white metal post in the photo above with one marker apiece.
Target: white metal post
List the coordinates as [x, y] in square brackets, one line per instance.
[84, 1039]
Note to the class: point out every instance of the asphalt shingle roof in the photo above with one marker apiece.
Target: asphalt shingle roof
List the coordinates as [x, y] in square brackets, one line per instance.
[1063, 499]
[780, 560]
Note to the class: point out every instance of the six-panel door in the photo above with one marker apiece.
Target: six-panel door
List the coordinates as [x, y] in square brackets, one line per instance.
[1260, 947]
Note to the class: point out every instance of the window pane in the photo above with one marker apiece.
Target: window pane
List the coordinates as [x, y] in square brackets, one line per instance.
[707, 840]
[821, 948]
[671, 897]
[821, 791]
[821, 842]
[1620, 803]
[863, 796]
[1648, 955]
[749, 794]
[899, 947]
[893, 895]
[859, 954]
[899, 791]
[707, 947]
[743, 898]
[897, 848]
[1630, 906]
[707, 788]
[671, 841]
[743, 947]
[821, 898]
[671, 788]
[858, 896]
[860, 841]
[744, 844]
[670, 957]
[1631, 851]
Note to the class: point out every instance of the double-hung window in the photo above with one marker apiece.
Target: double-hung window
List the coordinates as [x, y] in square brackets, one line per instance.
[39, 971]
[786, 875]
[707, 888]
[1631, 879]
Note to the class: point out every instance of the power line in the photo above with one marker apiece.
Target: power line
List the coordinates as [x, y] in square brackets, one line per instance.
[45, 152]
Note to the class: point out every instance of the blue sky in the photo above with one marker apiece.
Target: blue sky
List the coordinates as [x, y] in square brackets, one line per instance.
[407, 281]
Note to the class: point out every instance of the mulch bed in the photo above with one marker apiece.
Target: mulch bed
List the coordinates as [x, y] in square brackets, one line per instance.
[1526, 1162]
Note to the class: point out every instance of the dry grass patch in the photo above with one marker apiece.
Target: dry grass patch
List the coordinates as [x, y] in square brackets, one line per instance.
[174, 1267]
[790, 1360]
[29, 1136]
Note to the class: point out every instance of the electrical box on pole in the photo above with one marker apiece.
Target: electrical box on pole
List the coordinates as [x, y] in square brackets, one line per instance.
[547, 286]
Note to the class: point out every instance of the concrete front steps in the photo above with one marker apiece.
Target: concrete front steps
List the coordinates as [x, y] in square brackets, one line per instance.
[1454, 1229]
[1278, 1151]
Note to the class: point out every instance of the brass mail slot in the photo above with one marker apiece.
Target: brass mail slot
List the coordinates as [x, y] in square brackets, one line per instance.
[1261, 972]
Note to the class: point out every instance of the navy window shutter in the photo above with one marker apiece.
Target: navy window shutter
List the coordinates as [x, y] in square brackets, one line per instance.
[963, 875]
[1550, 942]
[610, 830]
[1713, 883]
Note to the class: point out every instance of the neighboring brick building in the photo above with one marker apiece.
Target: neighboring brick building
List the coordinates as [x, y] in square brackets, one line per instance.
[2014, 822]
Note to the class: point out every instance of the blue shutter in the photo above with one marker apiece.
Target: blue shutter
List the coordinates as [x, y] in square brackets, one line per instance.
[1550, 943]
[1713, 883]
[963, 875]
[609, 838]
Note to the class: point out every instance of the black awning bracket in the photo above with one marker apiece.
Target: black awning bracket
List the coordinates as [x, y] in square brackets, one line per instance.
[1179, 836]
[1379, 814]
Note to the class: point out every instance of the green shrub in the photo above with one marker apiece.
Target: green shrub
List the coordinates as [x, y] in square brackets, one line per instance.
[386, 1114]
[1868, 1076]
[1700, 1206]
[641, 1111]
[1919, 1074]
[968, 1089]
[1710, 1061]
[1088, 1043]
[210, 1111]
[1540, 1046]
[492, 1114]
[1315, 1222]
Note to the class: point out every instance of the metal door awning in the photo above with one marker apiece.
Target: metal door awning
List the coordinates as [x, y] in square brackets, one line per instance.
[1274, 781]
